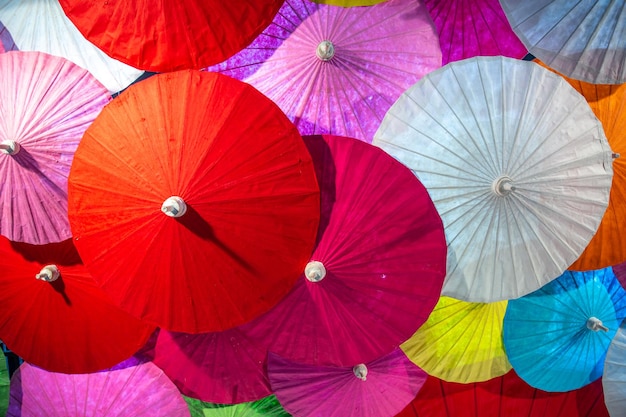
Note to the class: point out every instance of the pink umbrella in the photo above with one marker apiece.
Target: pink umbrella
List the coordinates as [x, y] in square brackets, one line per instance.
[377, 389]
[133, 389]
[377, 270]
[47, 104]
[336, 69]
[470, 28]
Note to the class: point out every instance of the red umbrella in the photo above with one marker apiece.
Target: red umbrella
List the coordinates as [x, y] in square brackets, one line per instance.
[505, 396]
[171, 35]
[66, 324]
[193, 201]
[377, 270]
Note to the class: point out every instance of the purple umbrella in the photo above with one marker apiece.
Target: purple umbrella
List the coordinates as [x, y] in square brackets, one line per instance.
[336, 69]
[6, 40]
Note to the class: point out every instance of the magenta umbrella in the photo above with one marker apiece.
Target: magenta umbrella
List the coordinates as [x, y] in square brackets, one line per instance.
[379, 388]
[378, 267]
[469, 28]
[336, 69]
[46, 104]
[132, 389]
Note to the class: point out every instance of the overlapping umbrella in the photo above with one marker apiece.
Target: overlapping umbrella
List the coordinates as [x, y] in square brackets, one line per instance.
[518, 167]
[613, 377]
[265, 407]
[46, 104]
[6, 40]
[338, 69]
[193, 201]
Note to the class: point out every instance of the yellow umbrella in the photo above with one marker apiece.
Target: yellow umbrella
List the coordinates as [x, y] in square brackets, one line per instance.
[461, 341]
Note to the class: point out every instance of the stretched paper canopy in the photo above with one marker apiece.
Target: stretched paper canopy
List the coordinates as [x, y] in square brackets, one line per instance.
[379, 388]
[265, 407]
[47, 104]
[4, 386]
[517, 165]
[42, 26]
[557, 337]
[193, 201]
[171, 35]
[335, 69]
[461, 342]
[581, 39]
[131, 390]
[614, 376]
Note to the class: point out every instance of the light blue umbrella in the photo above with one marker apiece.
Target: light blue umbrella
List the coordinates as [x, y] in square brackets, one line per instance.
[556, 338]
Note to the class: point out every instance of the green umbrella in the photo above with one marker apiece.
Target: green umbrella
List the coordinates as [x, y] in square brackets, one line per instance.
[265, 407]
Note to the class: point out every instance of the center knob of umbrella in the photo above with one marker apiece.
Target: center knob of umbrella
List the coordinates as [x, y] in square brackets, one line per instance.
[48, 273]
[10, 147]
[174, 206]
[502, 186]
[595, 324]
[315, 271]
[325, 50]
[360, 371]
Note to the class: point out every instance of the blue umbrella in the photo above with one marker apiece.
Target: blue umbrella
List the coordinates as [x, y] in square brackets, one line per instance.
[556, 338]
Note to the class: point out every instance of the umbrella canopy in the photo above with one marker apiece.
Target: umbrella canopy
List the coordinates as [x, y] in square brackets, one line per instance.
[170, 36]
[46, 104]
[614, 377]
[556, 338]
[350, 3]
[581, 39]
[42, 26]
[6, 40]
[193, 201]
[132, 390]
[517, 165]
[223, 367]
[335, 69]
[55, 316]
[379, 388]
[377, 270]
[608, 103]
[469, 28]
[4, 386]
[265, 407]
[461, 342]
[508, 396]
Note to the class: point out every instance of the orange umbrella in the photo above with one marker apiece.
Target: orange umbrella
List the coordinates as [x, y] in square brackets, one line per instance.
[608, 102]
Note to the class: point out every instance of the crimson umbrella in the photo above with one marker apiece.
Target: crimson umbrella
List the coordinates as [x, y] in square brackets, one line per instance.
[169, 36]
[505, 396]
[470, 28]
[378, 267]
[54, 315]
[193, 201]
[131, 389]
[336, 69]
[379, 388]
[47, 103]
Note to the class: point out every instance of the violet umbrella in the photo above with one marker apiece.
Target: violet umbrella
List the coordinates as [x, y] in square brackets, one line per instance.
[132, 389]
[470, 28]
[379, 388]
[43, 26]
[376, 271]
[6, 40]
[46, 104]
[336, 69]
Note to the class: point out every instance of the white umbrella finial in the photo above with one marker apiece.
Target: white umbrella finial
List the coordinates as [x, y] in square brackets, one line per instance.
[502, 186]
[174, 206]
[9, 147]
[48, 273]
[360, 371]
[325, 50]
[315, 271]
[595, 324]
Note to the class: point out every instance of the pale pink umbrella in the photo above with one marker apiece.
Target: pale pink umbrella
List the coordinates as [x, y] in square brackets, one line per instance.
[379, 388]
[132, 389]
[336, 69]
[46, 104]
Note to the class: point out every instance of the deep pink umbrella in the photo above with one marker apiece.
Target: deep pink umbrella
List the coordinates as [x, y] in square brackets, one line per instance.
[469, 28]
[376, 389]
[219, 367]
[336, 69]
[47, 103]
[620, 273]
[378, 267]
[133, 389]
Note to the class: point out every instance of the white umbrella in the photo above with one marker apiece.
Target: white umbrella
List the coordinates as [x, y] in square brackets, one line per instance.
[517, 165]
[614, 375]
[42, 26]
[582, 39]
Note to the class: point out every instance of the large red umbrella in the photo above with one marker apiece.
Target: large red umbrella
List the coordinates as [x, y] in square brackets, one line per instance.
[171, 35]
[193, 201]
[63, 321]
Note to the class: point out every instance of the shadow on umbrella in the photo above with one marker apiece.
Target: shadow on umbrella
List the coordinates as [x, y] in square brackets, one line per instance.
[26, 160]
[59, 286]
